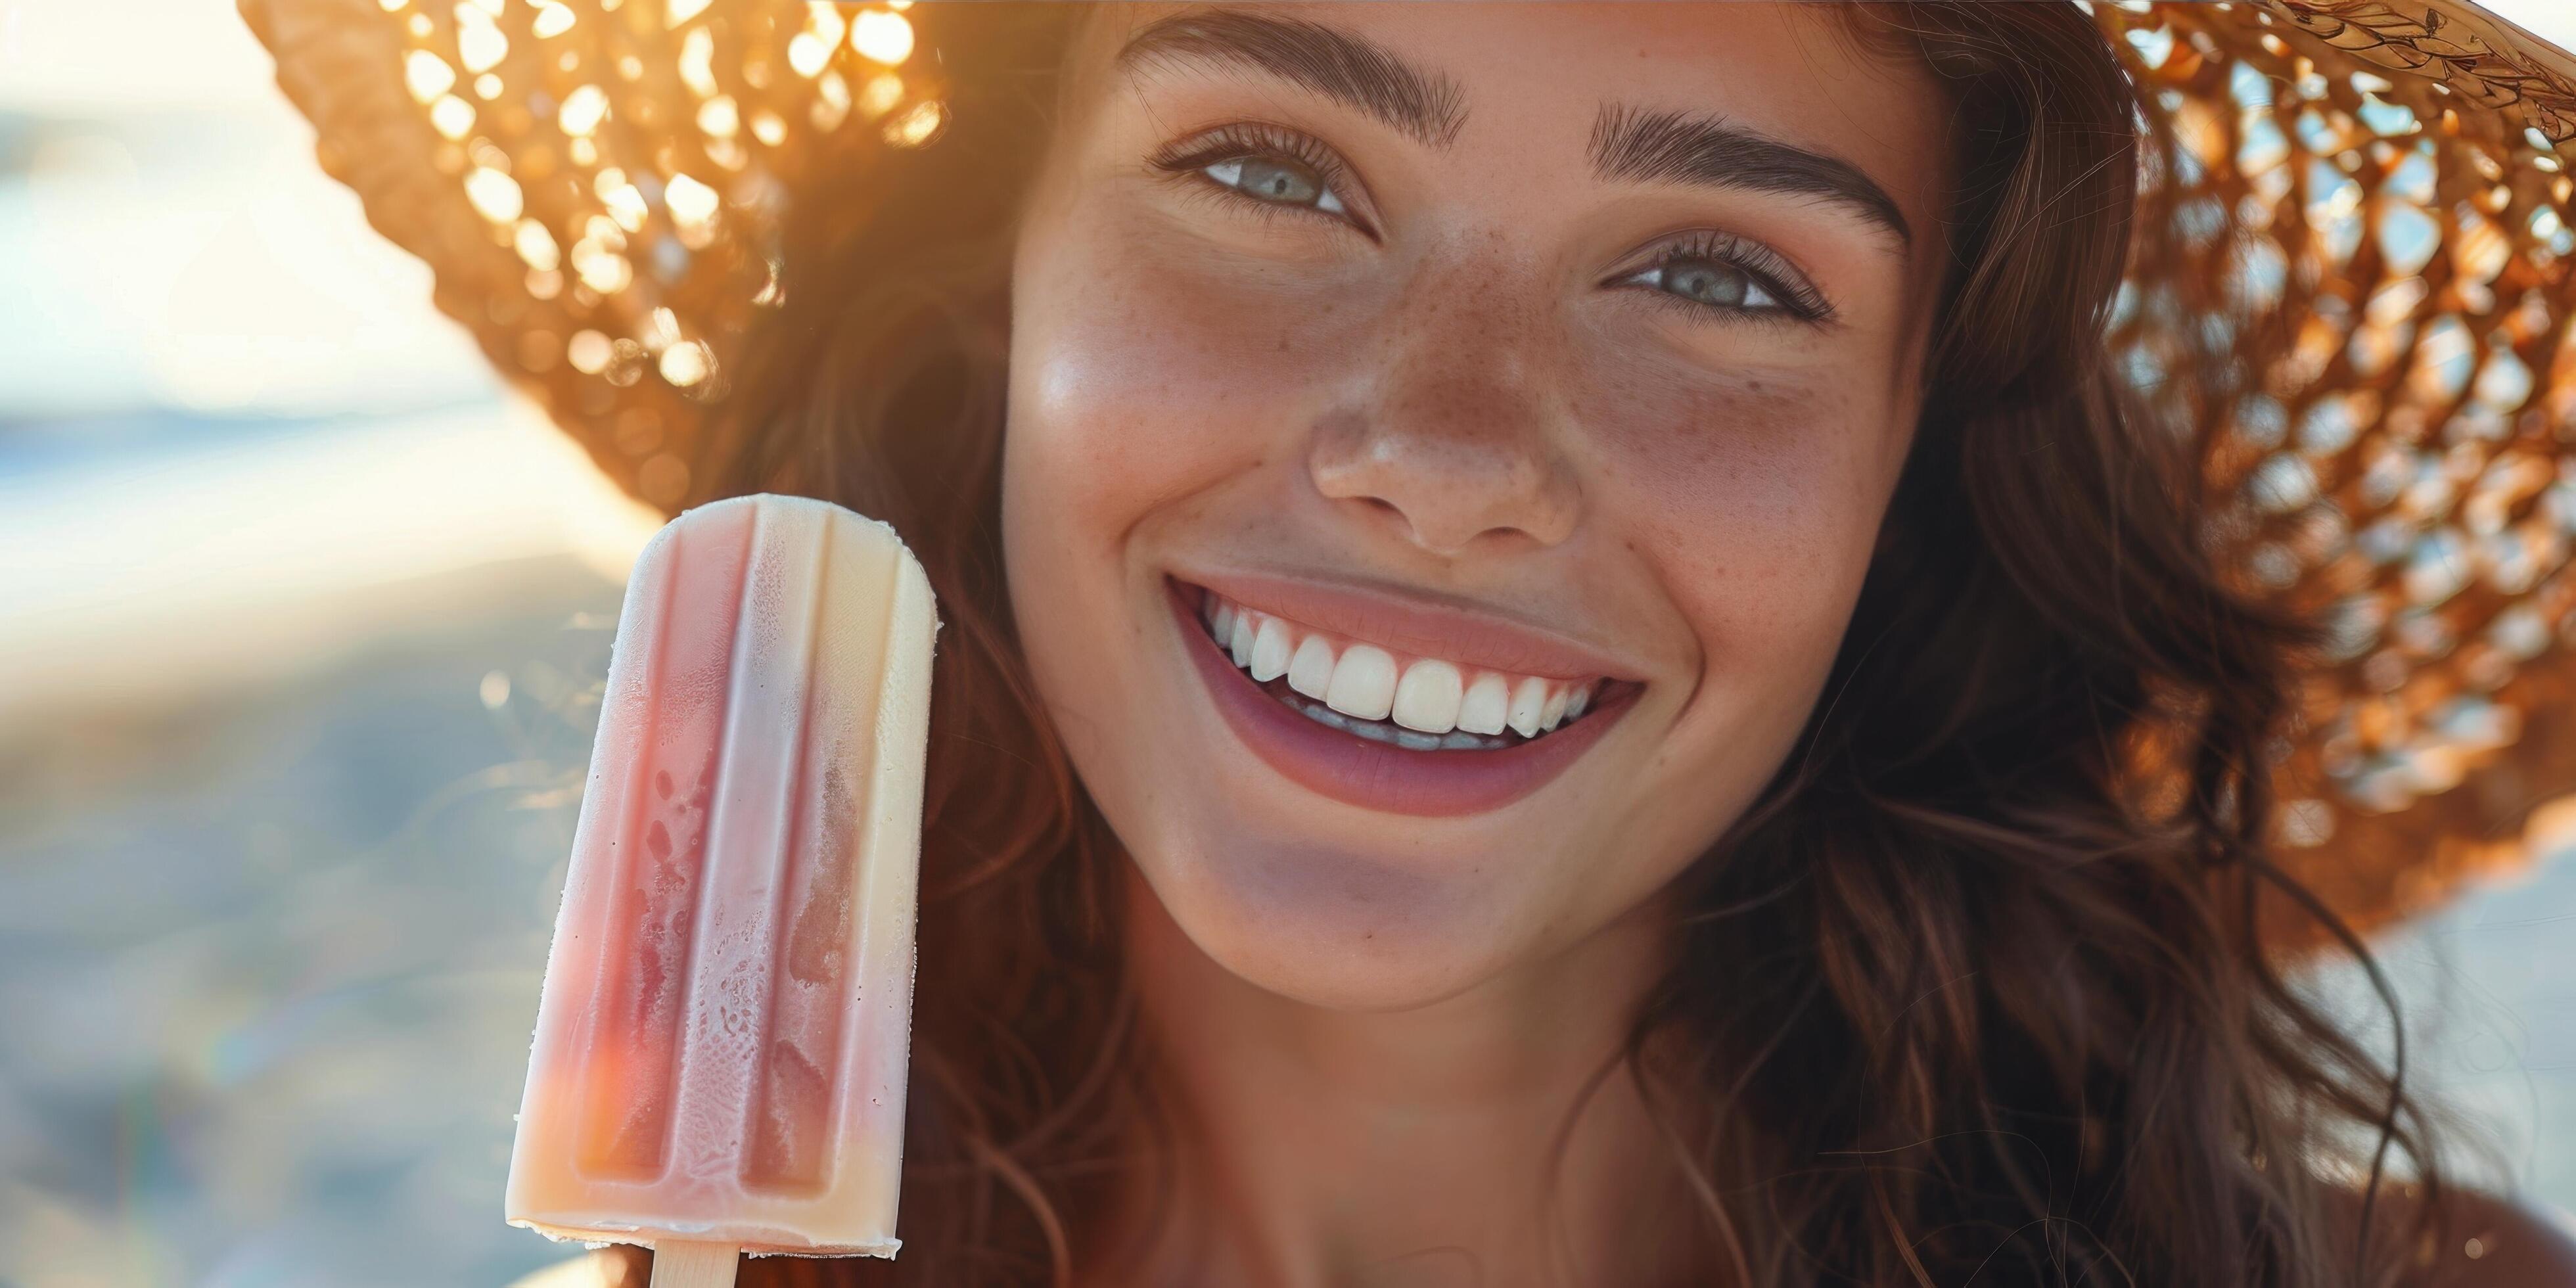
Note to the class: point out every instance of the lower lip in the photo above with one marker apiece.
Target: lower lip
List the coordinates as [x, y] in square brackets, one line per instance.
[1377, 775]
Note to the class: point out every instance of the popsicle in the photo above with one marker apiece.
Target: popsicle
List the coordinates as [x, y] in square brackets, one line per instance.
[721, 1040]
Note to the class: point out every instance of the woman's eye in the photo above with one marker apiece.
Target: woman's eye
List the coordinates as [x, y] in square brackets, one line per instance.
[1712, 282]
[1277, 181]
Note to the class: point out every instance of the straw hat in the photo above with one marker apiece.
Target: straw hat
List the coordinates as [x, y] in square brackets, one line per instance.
[2363, 206]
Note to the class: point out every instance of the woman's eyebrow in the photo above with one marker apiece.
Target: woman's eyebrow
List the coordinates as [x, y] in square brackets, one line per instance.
[1365, 75]
[1627, 143]
[1675, 147]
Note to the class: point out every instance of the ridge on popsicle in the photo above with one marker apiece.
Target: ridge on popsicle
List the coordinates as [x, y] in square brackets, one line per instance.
[721, 1043]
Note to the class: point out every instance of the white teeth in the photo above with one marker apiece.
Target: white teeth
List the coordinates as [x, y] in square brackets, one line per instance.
[1431, 700]
[1238, 641]
[1482, 709]
[1270, 651]
[1363, 683]
[1529, 698]
[1427, 697]
[1310, 672]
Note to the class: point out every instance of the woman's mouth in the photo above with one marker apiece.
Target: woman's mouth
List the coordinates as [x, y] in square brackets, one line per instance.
[1374, 725]
[1421, 703]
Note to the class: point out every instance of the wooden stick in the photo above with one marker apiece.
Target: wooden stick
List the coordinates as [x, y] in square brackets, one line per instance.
[682, 1263]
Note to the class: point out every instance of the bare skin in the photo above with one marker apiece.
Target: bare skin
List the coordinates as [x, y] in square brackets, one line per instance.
[1448, 361]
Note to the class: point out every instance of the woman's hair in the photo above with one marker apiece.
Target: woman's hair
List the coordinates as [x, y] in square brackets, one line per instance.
[1956, 1001]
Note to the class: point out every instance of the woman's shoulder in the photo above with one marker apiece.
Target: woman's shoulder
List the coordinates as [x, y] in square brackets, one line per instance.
[2498, 1243]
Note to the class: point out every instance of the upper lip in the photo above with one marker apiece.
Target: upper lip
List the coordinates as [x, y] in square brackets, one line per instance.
[1411, 622]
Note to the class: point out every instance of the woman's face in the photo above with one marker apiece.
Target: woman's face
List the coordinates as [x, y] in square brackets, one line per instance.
[1476, 369]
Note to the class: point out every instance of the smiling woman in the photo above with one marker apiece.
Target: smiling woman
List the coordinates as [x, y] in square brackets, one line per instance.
[1541, 591]
[1475, 353]
[1559, 624]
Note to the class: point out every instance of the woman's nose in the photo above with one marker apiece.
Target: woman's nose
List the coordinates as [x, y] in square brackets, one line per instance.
[1451, 447]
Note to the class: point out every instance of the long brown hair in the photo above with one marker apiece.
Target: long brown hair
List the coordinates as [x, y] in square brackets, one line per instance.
[1955, 1001]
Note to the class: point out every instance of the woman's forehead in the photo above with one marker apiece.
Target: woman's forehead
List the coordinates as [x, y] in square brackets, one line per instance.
[1782, 93]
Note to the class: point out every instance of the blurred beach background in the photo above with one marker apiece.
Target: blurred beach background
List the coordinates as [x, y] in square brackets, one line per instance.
[302, 621]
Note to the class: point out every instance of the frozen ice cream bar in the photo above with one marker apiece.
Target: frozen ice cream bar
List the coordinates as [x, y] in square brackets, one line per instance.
[721, 1042]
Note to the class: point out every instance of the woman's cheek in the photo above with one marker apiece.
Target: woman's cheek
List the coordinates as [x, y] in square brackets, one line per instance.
[1757, 496]
[1153, 374]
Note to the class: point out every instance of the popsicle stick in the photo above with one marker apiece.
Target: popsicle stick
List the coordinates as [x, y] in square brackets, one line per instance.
[681, 1263]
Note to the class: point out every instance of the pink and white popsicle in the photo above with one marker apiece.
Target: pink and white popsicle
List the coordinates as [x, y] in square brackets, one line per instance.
[721, 1042]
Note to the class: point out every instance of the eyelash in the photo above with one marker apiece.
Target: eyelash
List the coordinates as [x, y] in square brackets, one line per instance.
[1185, 159]
[1769, 270]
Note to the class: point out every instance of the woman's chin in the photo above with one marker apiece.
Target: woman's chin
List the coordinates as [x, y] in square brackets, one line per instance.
[1327, 928]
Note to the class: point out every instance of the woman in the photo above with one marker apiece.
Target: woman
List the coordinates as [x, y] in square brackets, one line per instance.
[1552, 615]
